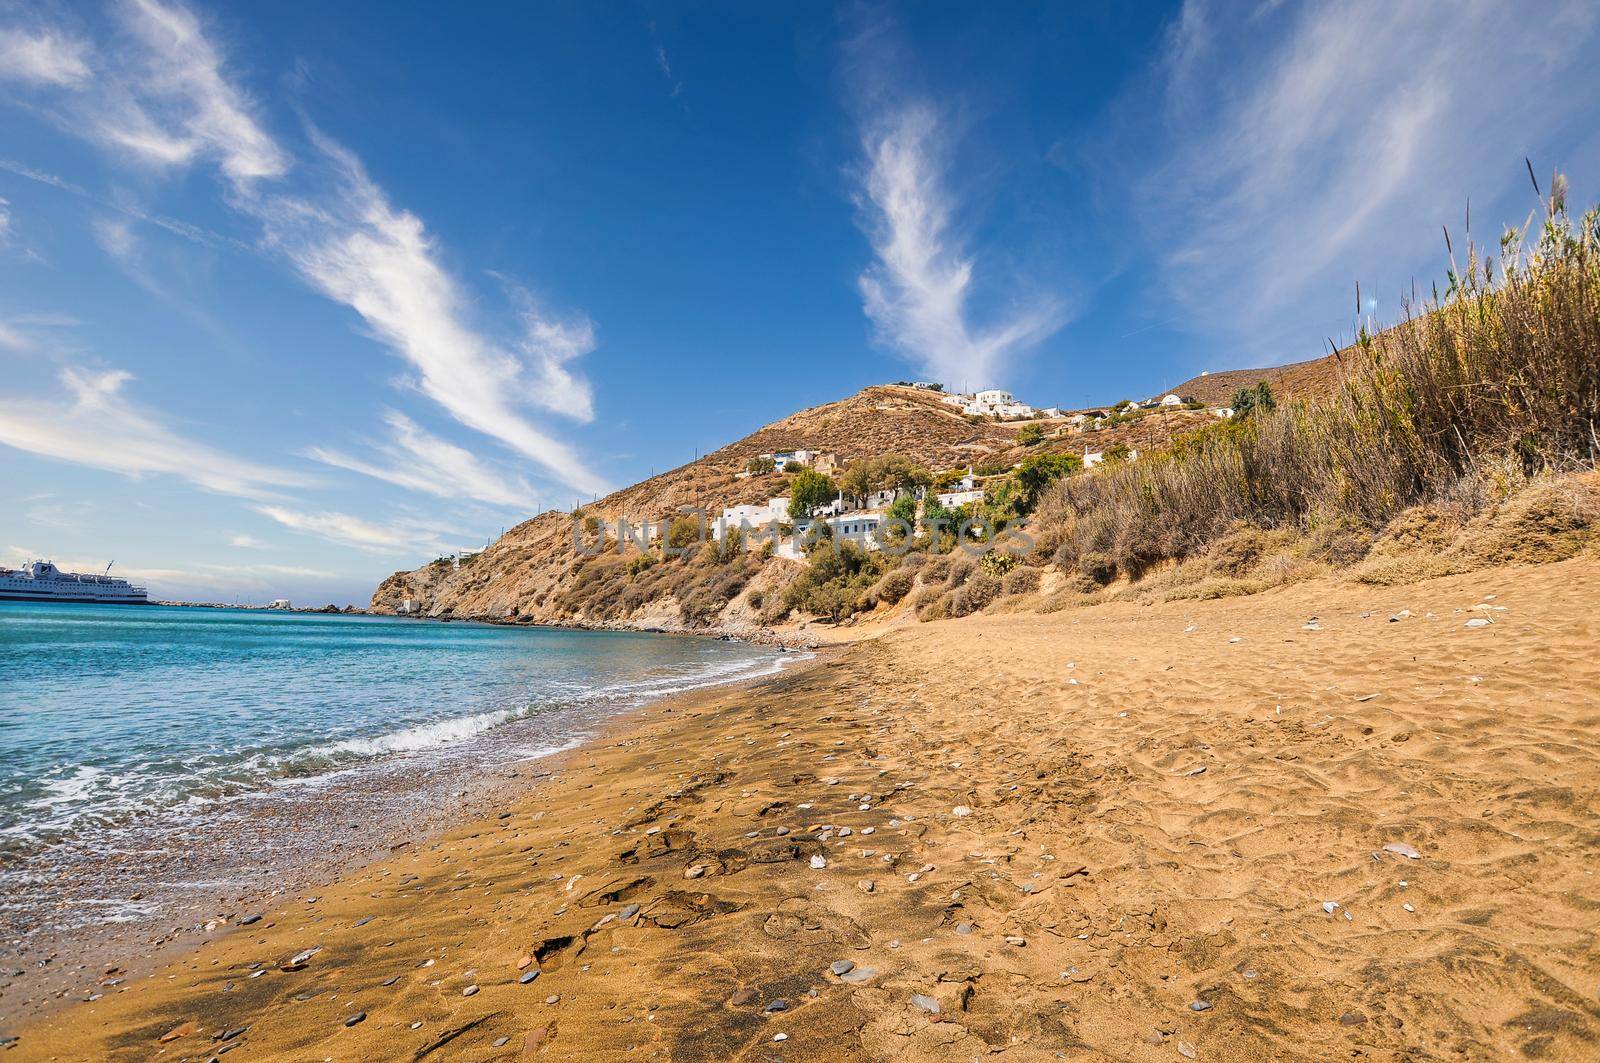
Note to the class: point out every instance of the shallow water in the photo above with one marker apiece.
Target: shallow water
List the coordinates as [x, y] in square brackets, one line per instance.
[164, 751]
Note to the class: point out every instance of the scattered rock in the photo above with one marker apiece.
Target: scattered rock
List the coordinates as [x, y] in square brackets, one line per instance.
[742, 997]
[1478, 621]
[961, 810]
[776, 1006]
[842, 967]
[860, 975]
[1352, 1018]
[926, 1003]
[249, 919]
[1199, 1005]
[1016, 942]
[1186, 1050]
[356, 1019]
[181, 1030]
[818, 861]
[528, 977]
[1402, 849]
[866, 885]
[470, 991]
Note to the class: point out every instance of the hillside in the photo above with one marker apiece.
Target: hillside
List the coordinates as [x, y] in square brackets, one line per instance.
[1295, 380]
[535, 573]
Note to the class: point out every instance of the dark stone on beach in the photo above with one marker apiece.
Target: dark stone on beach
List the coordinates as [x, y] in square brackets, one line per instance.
[528, 977]
[228, 1035]
[1352, 1018]
[501, 1043]
[363, 922]
[1200, 1005]
[390, 981]
[629, 912]
[358, 1017]
[776, 1006]
[842, 966]
[470, 991]
[742, 997]
[247, 920]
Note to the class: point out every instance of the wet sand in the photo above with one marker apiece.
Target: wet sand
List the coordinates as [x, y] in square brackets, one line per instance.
[1214, 830]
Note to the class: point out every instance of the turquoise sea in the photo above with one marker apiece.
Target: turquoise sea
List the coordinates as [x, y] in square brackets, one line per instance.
[148, 754]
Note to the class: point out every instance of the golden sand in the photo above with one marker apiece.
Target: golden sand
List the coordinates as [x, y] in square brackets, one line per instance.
[1124, 832]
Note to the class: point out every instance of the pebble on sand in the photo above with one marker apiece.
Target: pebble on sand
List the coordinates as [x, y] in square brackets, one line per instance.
[356, 1019]
[961, 810]
[860, 975]
[842, 966]
[470, 991]
[528, 977]
[1199, 1005]
[1478, 621]
[1402, 849]
[818, 861]
[926, 1003]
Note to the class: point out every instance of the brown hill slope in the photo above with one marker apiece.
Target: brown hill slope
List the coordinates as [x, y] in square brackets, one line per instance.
[535, 573]
[1295, 380]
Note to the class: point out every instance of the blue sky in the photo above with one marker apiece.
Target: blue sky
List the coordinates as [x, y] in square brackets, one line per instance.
[295, 295]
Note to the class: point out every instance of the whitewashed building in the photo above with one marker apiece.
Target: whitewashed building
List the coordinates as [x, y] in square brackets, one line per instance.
[755, 518]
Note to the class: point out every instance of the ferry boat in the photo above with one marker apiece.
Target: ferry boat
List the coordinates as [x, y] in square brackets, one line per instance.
[42, 581]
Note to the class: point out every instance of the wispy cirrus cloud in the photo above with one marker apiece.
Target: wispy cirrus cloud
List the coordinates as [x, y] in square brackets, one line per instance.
[919, 290]
[96, 425]
[163, 98]
[358, 249]
[46, 57]
[400, 537]
[1275, 155]
[420, 461]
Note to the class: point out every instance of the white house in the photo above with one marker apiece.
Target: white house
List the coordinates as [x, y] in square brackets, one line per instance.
[782, 459]
[995, 402]
[1171, 400]
[755, 518]
[279, 603]
[861, 527]
[952, 499]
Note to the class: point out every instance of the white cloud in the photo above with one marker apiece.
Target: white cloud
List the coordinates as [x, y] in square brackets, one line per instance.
[5, 219]
[173, 104]
[359, 250]
[1290, 152]
[401, 537]
[248, 542]
[47, 57]
[918, 291]
[11, 339]
[169, 103]
[99, 427]
[420, 461]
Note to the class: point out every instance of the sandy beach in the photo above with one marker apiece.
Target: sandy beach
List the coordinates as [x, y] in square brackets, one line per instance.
[1327, 821]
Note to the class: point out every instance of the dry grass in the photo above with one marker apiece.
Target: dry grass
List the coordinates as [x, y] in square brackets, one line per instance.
[1477, 394]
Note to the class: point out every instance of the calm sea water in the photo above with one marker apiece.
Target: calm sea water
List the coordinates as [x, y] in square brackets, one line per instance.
[130, 731]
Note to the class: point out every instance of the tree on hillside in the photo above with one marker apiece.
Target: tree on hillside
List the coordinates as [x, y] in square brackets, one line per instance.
[886, 472]
[760, 466]
[1030, 435]
[809, 491]
[1038, 472]
[1248, 400]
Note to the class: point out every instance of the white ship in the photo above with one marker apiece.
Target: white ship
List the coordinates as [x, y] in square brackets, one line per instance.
[41, 581]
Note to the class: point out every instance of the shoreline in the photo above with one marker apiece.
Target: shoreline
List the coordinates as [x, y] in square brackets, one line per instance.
[60, 970]
[1110, 832]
